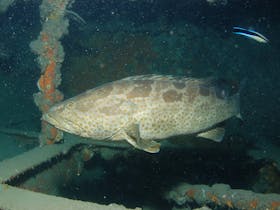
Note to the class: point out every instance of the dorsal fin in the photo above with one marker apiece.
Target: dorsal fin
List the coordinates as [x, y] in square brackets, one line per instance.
[158, 77]
[223, 87]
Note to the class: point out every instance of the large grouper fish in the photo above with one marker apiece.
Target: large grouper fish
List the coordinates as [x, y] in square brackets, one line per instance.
[145, 109]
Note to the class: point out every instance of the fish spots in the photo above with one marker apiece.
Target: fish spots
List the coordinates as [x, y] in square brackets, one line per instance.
[204, 90]
[161, 85]
[191, 92]
[140, 89]
[83, 106]
[103, 91]
[69, 105]
[121, 87]
[117, 108]
[179, 85]
[171, 96]
[85, 102]
[204, 106]
[110, 110]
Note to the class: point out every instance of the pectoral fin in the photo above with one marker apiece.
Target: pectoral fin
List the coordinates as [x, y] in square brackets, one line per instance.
[122, 135]
[215, 134]
[147, 145]
[150, 146]
[133, 137]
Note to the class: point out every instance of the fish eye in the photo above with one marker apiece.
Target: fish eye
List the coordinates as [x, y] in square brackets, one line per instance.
[221, 93]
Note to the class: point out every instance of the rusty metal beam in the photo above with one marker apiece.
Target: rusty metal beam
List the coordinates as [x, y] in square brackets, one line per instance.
[223, 195]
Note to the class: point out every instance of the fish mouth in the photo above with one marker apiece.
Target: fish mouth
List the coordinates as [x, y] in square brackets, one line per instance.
[62, 124]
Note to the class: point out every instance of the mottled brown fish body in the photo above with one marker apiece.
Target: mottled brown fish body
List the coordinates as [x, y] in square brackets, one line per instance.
[144, 108]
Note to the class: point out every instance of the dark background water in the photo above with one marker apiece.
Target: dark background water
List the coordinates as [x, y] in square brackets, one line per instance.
[124, 38]
[260, 63]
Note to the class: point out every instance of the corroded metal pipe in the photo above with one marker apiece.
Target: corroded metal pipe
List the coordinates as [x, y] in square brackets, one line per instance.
[50, 56]
[223, 195]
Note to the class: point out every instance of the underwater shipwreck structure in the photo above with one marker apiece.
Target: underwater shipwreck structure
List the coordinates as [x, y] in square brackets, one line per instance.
[30, 180]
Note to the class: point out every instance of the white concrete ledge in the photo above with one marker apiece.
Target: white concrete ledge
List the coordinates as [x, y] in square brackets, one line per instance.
[12, 198]
[17, 165]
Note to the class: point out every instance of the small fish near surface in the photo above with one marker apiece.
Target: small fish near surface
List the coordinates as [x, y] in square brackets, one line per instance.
[146, 109]
[251, 34]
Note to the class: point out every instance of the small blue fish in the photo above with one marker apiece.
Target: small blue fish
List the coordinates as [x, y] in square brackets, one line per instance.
[250, 34]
